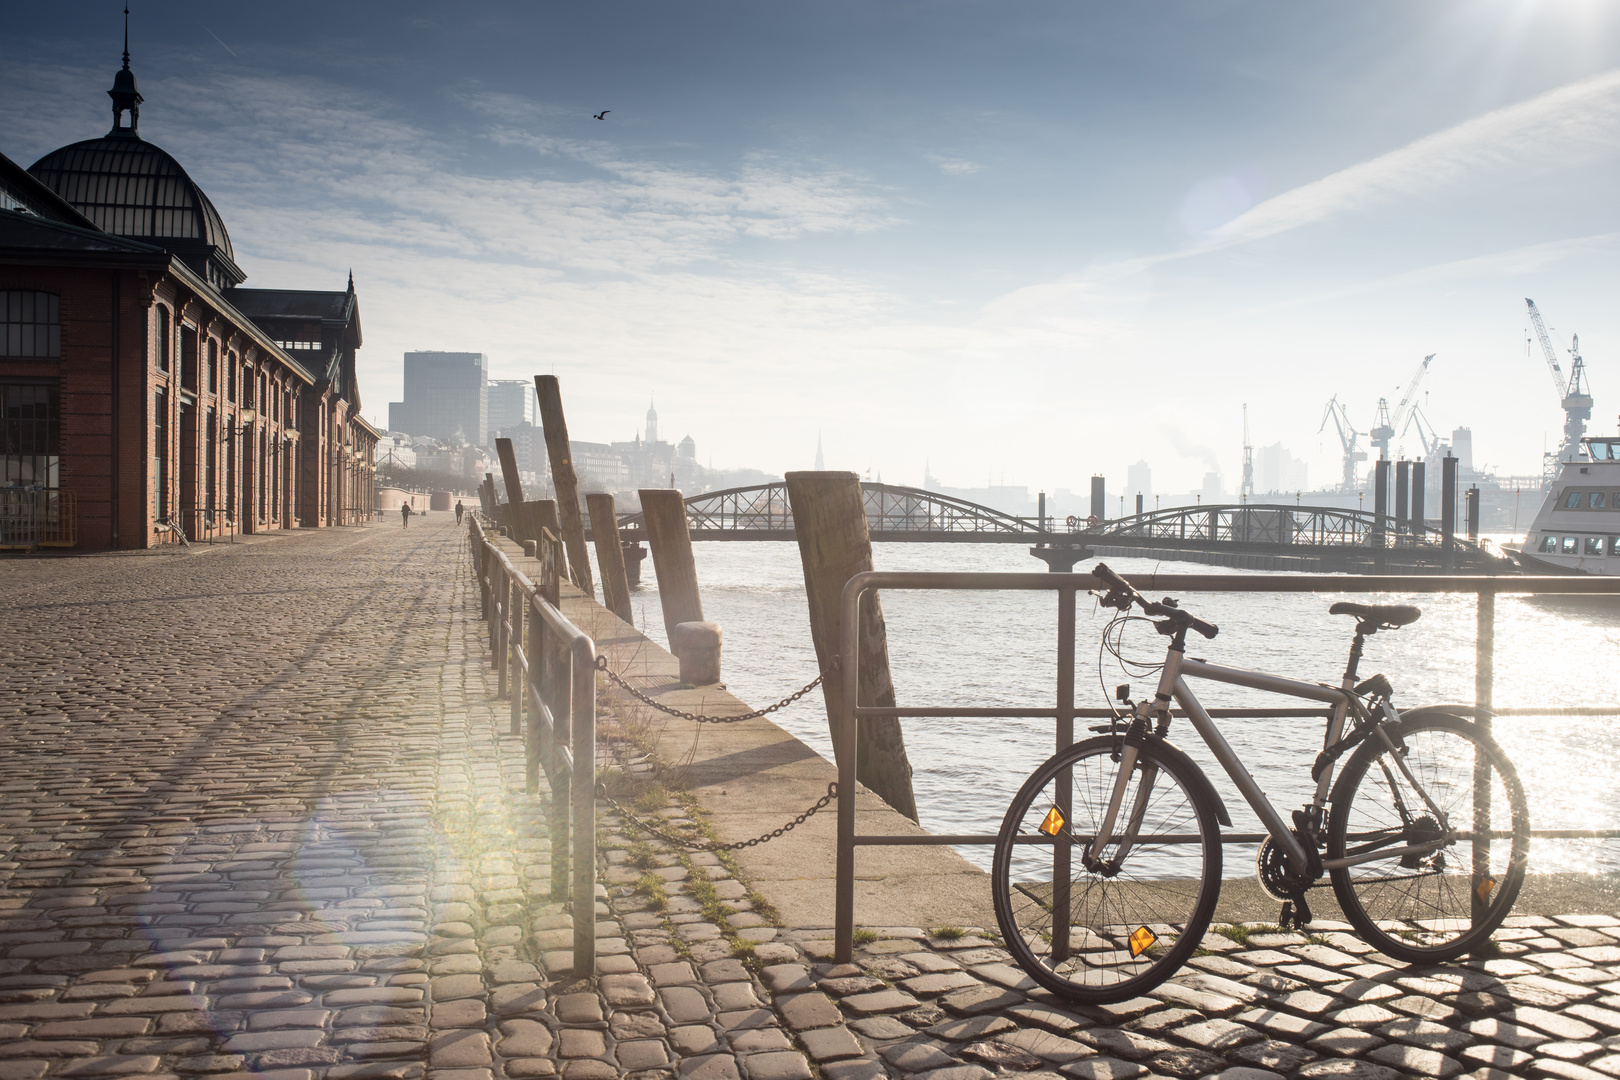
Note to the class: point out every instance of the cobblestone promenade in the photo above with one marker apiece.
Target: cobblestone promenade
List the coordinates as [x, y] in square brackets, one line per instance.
[259, 815]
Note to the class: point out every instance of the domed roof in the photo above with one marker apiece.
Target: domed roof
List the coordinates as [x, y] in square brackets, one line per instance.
[129, 187]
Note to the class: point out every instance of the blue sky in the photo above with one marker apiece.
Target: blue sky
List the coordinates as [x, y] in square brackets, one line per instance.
[1019, 242]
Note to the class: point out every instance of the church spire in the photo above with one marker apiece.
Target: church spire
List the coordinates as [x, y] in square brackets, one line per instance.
[125, 95]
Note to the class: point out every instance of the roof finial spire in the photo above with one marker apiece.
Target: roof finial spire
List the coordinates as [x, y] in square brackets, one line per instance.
[126, 96]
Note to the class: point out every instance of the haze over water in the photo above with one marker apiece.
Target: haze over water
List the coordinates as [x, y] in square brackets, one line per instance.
[999, 649]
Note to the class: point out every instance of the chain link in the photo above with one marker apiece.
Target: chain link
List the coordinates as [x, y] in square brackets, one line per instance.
[690, 845]
[619, 681]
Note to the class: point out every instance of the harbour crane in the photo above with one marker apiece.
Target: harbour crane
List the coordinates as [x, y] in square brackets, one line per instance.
[1385, 426]
[1426, 434]
[1572, 396]
[1349, 437]
[1247, 489]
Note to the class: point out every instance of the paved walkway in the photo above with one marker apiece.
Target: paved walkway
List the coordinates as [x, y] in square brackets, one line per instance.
[259, 815]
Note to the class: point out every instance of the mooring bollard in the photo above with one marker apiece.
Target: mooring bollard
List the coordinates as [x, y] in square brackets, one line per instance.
[529, 548]
[697, 646]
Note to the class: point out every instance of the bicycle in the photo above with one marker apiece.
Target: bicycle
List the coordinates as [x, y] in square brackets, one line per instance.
[1424, 834]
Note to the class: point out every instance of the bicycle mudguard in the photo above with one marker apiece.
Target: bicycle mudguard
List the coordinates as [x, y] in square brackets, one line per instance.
[1169, 749]
[1422, 712]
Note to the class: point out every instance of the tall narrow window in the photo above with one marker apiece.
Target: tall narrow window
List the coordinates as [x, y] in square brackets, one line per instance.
[188, 359]
[263, 448]
[210, 460]
[230, 378]
[213, 366]
[160, 456]
[247, 387]
[30, 433]
[164, 338]
[230, 471]
[30, 324]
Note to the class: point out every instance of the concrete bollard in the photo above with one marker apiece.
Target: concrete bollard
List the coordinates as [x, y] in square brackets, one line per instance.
[697, 646]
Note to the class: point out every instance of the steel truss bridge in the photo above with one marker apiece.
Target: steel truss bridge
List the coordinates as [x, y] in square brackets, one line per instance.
[896, 513]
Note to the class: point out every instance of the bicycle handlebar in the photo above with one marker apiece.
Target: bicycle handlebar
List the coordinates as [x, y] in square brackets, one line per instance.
[1121, 595]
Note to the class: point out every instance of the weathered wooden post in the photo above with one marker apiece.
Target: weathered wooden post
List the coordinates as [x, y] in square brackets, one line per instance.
[563, 479]
[545, 522]
[609, 555]
[515, 525]
[665, 513]
[829, 519]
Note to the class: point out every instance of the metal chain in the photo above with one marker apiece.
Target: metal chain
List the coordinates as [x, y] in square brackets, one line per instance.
[689, 845]
[619, 681]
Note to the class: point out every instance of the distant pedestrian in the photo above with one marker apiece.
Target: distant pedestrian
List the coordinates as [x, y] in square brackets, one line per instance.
[459, 511]
[404, 515]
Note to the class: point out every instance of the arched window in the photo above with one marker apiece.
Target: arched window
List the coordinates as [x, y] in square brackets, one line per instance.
[163, 338]
[32, 324]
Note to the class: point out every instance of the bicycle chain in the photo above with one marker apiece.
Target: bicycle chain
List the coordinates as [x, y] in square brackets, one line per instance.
[618, 680]
[679, 841]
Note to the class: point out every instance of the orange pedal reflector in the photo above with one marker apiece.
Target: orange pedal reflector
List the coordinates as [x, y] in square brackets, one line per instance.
[1052, 823]
[1483, 889]
[1141, 940]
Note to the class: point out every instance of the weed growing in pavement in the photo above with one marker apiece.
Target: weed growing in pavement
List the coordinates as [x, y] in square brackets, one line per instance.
[652, 886]
[1241, 932]
[864, 936]
[947, 933]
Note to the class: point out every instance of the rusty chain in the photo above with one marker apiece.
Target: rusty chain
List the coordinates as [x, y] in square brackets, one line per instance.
[689, 845]
[619, 681]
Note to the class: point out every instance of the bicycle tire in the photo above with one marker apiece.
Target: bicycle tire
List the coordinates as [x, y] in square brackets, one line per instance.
[1423, 907]
[1165, 891]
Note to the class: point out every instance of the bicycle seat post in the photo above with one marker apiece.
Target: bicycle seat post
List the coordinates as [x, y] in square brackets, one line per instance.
[1355, 656]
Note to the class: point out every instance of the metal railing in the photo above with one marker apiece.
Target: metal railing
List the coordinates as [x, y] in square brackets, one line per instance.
[36, 518]
[1065, 713]
[209, 526]
[546, 666]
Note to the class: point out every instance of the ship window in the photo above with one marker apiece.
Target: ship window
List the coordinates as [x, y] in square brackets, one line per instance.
[1571, 545]
[1572, 501]
[1614, 545]
[1594, 545]
[1549, 544]
[1595, 500]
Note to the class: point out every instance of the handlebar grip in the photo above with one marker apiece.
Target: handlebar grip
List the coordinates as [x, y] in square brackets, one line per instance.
[1101, 570]
[1209, 630]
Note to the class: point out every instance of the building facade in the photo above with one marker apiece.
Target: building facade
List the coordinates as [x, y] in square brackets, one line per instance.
[512, 404]
[144, 391]
[446, 397]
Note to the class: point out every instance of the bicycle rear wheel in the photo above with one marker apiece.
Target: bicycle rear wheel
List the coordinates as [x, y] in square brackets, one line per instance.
[1108, 933]
[1440, 901]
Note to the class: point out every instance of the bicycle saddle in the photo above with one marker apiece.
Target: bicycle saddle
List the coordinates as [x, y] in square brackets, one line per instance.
[1383, 616]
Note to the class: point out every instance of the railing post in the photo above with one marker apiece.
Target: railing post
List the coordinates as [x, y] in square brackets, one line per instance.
[845, 742]
[1065, 738]
[532, 747]
[517, 678]
[1484, 699]
[583, 670]
[503, 593]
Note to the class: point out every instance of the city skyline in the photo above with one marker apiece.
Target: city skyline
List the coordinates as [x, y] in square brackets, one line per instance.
[1070, 237]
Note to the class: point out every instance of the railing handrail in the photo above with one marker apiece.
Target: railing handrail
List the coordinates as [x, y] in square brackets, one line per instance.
[1064, 712]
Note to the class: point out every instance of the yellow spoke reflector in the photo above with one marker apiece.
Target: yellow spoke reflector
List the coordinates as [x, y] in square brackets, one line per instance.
[1483, 889]
[1052, 823]
[1141, 939]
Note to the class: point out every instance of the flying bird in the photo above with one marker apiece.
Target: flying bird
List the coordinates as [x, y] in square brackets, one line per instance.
[603, 113]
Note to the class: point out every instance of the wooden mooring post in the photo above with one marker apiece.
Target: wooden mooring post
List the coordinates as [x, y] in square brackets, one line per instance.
[609, 555]
[516, 527]
[664, 511]
[555, 428]
[829, 519]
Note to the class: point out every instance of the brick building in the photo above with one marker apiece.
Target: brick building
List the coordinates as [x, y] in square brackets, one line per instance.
[142, 389]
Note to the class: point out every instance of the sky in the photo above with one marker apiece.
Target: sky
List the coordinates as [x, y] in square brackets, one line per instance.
[1011, 243]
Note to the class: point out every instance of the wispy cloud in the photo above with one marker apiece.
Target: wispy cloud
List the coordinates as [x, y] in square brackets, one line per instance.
[1568, 126]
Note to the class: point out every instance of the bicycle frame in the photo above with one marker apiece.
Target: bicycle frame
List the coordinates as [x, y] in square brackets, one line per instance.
[1173, 684]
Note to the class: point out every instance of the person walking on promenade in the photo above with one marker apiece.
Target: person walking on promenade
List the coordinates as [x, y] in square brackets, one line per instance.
[404, 515]
[459, 511]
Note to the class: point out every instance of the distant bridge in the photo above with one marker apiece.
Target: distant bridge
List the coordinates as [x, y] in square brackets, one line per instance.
[1248, 535]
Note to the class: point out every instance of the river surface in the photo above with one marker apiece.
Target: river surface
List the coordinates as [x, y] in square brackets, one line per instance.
[999, 649]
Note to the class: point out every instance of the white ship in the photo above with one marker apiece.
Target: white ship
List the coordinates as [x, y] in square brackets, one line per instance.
[1577, 530]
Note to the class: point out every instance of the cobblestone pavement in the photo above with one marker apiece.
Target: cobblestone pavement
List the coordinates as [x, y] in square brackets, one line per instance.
[261, 815]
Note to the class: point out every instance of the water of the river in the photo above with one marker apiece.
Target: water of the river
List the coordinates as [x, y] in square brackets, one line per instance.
[998, 649]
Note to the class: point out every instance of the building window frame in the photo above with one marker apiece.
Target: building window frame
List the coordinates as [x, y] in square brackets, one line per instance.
[30, 325]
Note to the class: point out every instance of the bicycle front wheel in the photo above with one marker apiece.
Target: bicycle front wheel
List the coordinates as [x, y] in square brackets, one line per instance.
[1442, 842]
[1104, 931]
